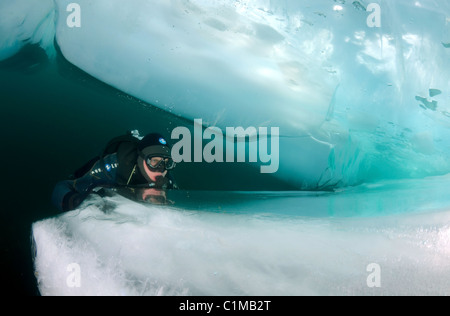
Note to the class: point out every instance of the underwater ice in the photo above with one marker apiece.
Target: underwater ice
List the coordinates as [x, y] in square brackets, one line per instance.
[253, 244]
[354, 103]
[26, 22]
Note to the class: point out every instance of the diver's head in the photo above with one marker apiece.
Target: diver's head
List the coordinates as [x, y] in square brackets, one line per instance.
[155, 158]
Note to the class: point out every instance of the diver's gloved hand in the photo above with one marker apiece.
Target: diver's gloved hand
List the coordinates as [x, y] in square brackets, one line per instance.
[162, 182]
[73, 200]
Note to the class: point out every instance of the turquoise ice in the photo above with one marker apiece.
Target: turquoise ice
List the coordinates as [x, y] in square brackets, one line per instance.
[354, 103]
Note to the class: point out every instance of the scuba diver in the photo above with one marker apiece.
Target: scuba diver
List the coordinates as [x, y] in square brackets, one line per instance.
[128, 161]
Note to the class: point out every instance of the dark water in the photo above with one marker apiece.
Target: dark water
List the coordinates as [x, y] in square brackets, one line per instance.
[54, 118]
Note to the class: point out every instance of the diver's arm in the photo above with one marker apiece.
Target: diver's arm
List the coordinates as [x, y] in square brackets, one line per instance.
[66, 198]
[68, 195]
